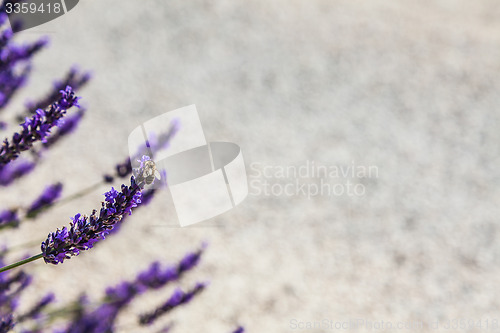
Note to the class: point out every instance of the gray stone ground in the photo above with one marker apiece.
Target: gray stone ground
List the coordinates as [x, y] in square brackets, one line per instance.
[410, 88]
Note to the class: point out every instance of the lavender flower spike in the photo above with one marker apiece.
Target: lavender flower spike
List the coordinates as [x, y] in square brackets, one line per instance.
[37, 127]
[75, 78]
[102, 318]
[156, 277]
[85, 231]
[178, 298]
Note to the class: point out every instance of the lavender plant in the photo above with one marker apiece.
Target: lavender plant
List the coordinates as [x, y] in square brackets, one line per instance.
[44, 122]
[38, 127]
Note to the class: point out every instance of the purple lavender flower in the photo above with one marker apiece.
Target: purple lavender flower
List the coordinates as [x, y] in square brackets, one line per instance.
[178, 298]
[143, 161]
[75, 79]
[37, 127]
[121, 295]
[154, 277]
[85, 231]
[21, 167]
[146, 198]
[118, 297]
[240, 329]
[47, 198]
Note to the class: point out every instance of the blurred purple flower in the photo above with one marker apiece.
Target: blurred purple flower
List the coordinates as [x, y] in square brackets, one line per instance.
[156, 276]
[10, 82]
[11, 286]
[12, 53]
[178, 298]
[102, 318]
[9, 218]
[50, 194]
[15, 170]
[15, 61]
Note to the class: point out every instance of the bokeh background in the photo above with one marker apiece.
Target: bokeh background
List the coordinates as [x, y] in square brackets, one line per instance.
[409, 87]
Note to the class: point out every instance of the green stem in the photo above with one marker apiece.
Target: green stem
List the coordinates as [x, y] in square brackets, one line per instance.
[22, 262]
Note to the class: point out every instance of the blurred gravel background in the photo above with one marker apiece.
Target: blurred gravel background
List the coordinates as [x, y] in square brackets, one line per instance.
[409, 87]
